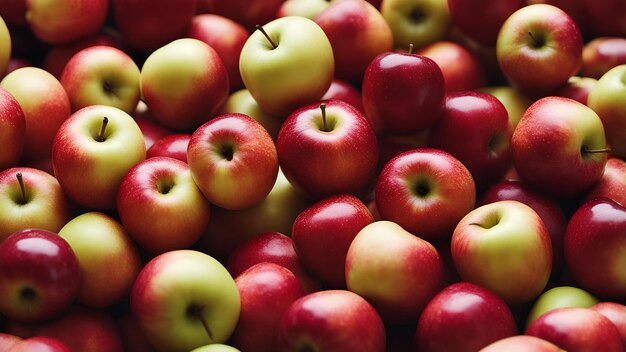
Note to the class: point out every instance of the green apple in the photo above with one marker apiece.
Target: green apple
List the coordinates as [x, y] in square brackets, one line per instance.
[416, 22]
[606, 98]
[286, 63]
[513, 100]
[242, 102]
[5, 47]
[560, 297]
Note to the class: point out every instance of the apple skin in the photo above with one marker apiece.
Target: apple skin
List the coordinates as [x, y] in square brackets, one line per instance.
[595, 241]
[215, 347]
[358, 33]
[172, 146]
[242, 102]
[331, 320]
[342, 90]
[426, 191]
[522, 343]
[304, 8]
[538, 48]
[612, 184]
[463, 317]
[577, 88]
[560, 297]
[298, 71]
[266, 291]
[323, 232]
[394, 270]
[492, 14]
[100, 241]
[416, 22]
[40, 275]
[514, 101]
[46, 205]
[12, 130]
[150, 129]
[326, 158]
[5, 48]
[601, 54]
[616, 313]
[549, 146]
[184, 299]
[45, 104]
[7, 341]
[577, 329]
[248, 13]
[183, 91]
[90, 171]
[511, 234]
[403, 93]
[40, 344]
[233, 160]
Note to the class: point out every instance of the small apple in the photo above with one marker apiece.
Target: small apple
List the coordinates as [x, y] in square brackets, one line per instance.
[560, 297]
[522, 343]
[416, 22]
[601, 54]
[242, 102]
[577, 88]
[172, 146]
[342, 90]
[304, 8]
[514, 101]
[612, 184]
[12, 129]
[616, 313]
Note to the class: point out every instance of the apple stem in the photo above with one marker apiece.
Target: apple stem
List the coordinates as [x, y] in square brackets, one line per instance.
[206, 326]
[323, 108]
[536, 42]
[410, 48]
[20, 180]
[586, 150]
[105, 122]
[260, 29]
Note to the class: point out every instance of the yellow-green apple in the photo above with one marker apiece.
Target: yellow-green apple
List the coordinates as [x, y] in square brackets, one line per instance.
[394, 270]
[605, 98]
[560, 297]
[616, 312]
[40, 276]
[249, 13]
[595, 243]
[403, 93]
[559, 147]
[99, 241]
[286, 63]
[577, 329]
[64, 21]
[224, 35]
[215, 347]
[333, 321]
[12, 130]
[304, 8]
[5, 47]
[486, 152]
[92, 152]
[39, 344]
[149, 24]
[612, 184]
[173, 146]
[184, 83]
[241, 101]
[233, 160]
[601, 54]
[463, 317]
[158, 198]
[31, 198]
[327, 148]
[45, 104]
[272, 247]
[426, 191]
[266, 290]
[539, 47]
[522, 343]
[185, 299]
[416, 22]
[577, 88]
[101, 75]
[481, 20]
[7, 341]
[514, 101]
[357, 33]
[342, 90]
[323, 232]
[503, 240]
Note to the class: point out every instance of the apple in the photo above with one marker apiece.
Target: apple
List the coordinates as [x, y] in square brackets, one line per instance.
[150, 129]
[173, 146]
[327, 148]
[604, 99]
[215, 347]
[99, 241]
[40, 344]
[514, 101]
[539, 47]
[5, 48]
[304, 8]
[559, 147]
[499, 241]
[331, 320]
[7, 341]
[31, 198]
[577, 88]
[233, 160]
[266, 291]
[158, 198]
[12, 130]
[616, 313]
[416, 22]
[601, 54]
[184, 83]
[481, 20]
[249, 13]
[463, 317]
[612, 184]
[242, 102]
[426, 191]
[45, 104]
[40, 276]
[184, 299]
[394, 270]
[286, 63]
[342, 90]
[522, 343]
[560, 297]
[323, 232]
[101, 75]
[403, 93]
[92, 152]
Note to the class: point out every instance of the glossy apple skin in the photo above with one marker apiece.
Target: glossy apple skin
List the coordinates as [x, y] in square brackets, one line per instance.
[323, 232]
[560, 297]
[233, 160]
[577, 88]
[522, 343]
[577, 329]
[172, 146]
[342, 90]
[514, 101]
[481, 20]
[403, 93]
[266, 291]
[40, 276]
[12, 130]
[595, 239]
[463, 317]
[331, 320]
[547, 145]
[601, 54]
[612, 184]
[242, 102]
[319, 161]
[40, 344]
[426, 191]
[616, 313]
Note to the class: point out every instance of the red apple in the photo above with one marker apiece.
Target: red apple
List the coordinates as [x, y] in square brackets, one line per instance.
[481, 20]
[151, 130]
[602, 54]
[247, 12]
[612, 184]
[40, 344]
[342, 90]
[522, 343]
[577, 88]
[7, 341]
[616, 313]
[173, 146]
[12, 130]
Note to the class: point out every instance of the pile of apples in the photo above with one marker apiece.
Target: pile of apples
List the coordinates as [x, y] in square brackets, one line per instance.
[312, 175]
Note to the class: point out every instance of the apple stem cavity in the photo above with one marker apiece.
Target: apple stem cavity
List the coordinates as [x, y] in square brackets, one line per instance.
[260, 29]
[195, 312]
[536, 42]
[105, 122]
[20, 181]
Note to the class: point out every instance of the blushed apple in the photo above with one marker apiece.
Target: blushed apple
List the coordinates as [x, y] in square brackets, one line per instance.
[601, 54]
[522, 343]
[12, 130]
[416, 22]
[560, 297]
[172, 146]
[612, 184]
